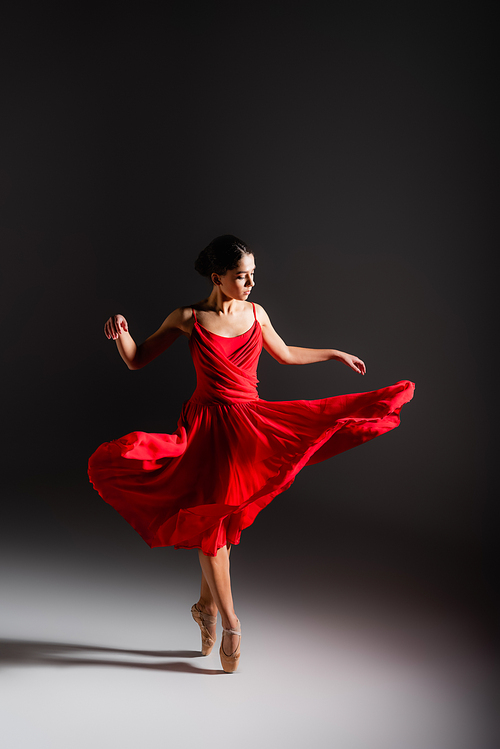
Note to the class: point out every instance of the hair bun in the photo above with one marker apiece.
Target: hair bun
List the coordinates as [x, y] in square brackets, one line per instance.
[222, 254]
[204, 263]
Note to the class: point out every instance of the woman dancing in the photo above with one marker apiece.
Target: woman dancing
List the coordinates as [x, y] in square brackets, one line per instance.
[232, 452]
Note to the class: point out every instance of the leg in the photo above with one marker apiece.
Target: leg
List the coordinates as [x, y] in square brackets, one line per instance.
[216, 574]
[206, 602]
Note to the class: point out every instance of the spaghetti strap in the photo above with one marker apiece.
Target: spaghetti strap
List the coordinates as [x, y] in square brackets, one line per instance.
[194, 314]
[254, 312]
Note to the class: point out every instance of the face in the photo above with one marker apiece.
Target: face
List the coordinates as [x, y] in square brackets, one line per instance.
[238, 282]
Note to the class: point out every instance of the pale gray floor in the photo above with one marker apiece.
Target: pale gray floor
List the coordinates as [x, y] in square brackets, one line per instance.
[107, 655]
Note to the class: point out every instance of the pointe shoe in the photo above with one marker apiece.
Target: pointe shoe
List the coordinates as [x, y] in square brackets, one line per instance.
[230, 662]
[202, 619]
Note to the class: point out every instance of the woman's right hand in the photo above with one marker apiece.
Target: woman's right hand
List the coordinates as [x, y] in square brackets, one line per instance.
[115, 326]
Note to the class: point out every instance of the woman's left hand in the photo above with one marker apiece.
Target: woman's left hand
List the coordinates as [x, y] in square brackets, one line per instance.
[354, 362]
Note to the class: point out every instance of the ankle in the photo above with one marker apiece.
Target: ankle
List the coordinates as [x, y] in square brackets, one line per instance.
[207, 607]
[231, 622]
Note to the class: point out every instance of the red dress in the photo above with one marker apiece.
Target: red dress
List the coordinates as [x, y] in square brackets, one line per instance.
[232, 452]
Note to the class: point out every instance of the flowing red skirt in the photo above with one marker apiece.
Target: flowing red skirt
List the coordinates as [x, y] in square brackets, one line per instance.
[201, 486]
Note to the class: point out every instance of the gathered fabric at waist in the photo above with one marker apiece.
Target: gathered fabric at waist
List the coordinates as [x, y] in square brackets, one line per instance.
[201, 398]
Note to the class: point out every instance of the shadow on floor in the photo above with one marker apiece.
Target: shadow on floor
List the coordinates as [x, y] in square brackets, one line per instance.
[33, 653]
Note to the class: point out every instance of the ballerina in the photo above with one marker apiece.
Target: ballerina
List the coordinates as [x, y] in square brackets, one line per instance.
[232, 452]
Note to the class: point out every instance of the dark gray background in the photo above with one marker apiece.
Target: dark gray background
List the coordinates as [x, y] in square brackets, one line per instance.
[355, 148]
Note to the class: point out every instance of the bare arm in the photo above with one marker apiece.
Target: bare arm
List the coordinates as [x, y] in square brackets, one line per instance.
[135, 356]
[284, 354]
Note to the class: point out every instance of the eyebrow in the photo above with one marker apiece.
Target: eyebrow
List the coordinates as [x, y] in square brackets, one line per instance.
[240, 272]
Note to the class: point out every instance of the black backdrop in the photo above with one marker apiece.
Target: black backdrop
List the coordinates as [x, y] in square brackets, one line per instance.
[353, 146]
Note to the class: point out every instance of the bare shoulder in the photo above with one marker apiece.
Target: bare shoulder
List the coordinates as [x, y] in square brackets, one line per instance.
[261, 314]
[184, 314]
[181, 319]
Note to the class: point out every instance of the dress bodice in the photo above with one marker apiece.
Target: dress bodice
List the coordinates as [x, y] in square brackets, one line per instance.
[226, 368]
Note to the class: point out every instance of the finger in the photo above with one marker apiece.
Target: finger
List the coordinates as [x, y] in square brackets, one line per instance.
[361, 366]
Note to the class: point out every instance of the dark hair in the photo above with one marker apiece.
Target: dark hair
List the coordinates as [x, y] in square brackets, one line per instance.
[222, 254]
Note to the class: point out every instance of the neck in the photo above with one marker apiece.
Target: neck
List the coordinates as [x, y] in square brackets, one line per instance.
[221, 303]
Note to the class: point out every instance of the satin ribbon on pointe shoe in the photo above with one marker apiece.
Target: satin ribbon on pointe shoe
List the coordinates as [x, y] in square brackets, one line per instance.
[202, 619]
[230, 662]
